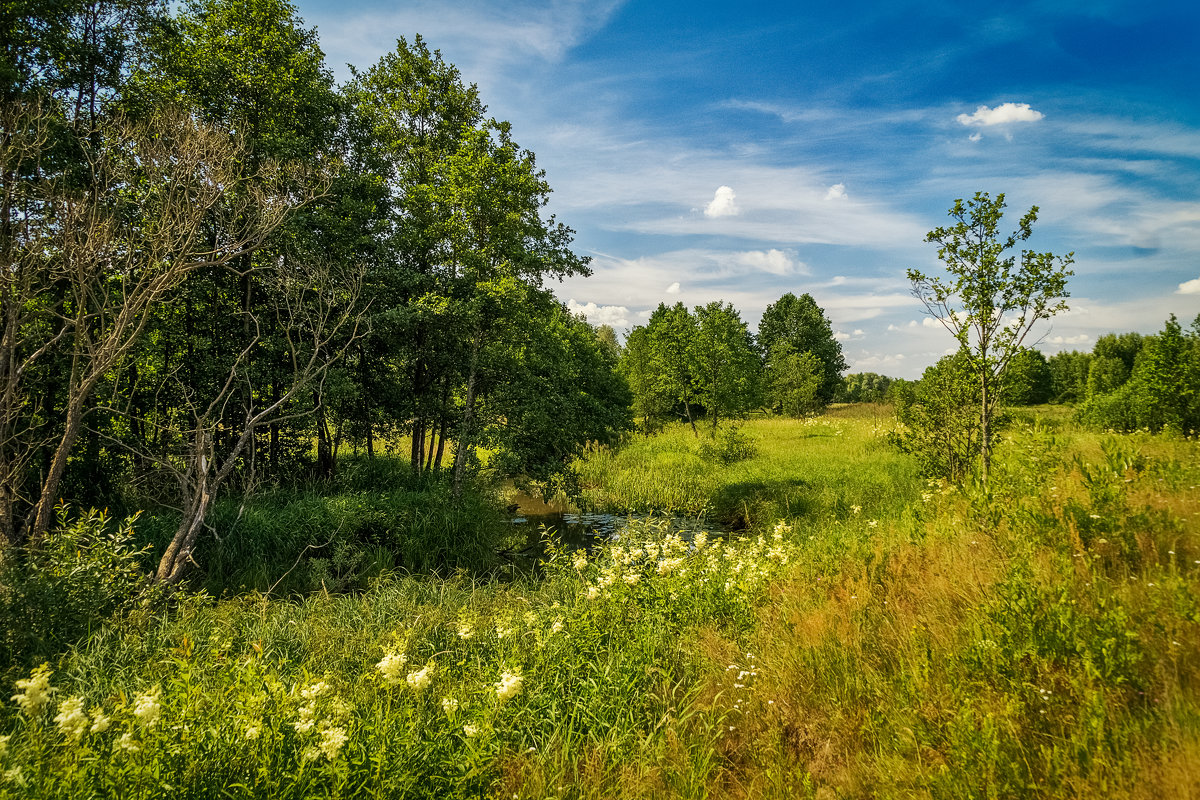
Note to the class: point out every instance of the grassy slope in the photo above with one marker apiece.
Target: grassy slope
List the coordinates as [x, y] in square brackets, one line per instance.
[933, 643]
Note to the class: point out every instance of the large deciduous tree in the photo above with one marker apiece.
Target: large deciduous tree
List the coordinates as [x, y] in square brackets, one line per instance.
[726, 365]
[991, 298]
[801, 324]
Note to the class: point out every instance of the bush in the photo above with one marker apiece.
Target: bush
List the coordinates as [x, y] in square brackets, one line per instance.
[85, 571]
[729, 446]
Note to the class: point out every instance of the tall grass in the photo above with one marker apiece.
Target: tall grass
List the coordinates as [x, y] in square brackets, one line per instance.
[816, 469]
[375, 517]
[1037, 640]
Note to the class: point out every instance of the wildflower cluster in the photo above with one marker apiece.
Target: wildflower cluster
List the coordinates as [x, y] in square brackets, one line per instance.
[322, 719]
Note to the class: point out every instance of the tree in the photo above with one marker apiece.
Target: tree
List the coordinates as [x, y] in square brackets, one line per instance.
[671, 332]
[795, 381]
[990, 301]
[1069, 376]
[802, 324]
[726, 366]
[650, 403]
[941, 426]
[90, 267]
[1027, 381]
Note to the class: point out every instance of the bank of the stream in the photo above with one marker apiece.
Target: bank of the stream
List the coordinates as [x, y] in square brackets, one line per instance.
[883, 637]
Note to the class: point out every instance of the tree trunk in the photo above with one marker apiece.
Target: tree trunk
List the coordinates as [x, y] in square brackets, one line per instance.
[463, 445]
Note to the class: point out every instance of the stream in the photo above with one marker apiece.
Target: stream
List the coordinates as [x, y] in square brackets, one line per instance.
[582, 529]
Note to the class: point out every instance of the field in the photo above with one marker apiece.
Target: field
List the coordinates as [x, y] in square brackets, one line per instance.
[860, 633]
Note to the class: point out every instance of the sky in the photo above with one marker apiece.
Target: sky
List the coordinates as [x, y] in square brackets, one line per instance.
[738, 151]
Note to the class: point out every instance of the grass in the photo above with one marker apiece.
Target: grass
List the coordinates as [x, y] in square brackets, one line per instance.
[1040, 639]
[816, 470]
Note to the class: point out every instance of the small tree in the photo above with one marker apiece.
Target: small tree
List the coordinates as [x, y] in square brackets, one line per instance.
[991, 300]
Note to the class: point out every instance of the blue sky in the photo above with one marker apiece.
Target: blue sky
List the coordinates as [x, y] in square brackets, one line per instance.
[730, 151]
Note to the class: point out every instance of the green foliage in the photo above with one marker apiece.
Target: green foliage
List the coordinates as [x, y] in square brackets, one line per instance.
[375, 517]
[87, 570]
[729, 446]
[1069, 371]
[1161, 391]
[801, 324]
[940, 418]
[726, 366]
[863, 387]
[990, 301]
[1027, 380]
[795, 381]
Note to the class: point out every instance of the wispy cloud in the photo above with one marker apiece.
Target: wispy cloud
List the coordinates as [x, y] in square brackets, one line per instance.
[477, 36]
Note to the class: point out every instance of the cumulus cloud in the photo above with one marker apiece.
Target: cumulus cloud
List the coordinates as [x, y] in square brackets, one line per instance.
[841, 336]
[1189, 287]
[673, 288]
[836, 192]
[1001, 114]
[776, 262]
[976, 136]
[722, 204]
[1080, 339]
[930, 322]
[616, 316]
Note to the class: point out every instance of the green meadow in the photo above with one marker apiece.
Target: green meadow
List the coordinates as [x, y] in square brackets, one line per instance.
[859, 632]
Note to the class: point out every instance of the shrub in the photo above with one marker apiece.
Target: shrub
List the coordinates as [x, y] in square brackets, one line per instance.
[86, 570]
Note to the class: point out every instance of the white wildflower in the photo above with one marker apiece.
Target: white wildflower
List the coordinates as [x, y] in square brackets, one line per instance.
[35, 691]
[465, 631]
[332, 740]
[100, 721]
[252, 732]
[700, 540]
[855, 509]
[557, 626]
[509, 685]
[128, 743]
[421, 678]
[579, 561]
[147, 709]
[470, 730]
[314, 691]
[72, 719]
[669, 565]
[391, 666]
[593, 592]
[449, 706]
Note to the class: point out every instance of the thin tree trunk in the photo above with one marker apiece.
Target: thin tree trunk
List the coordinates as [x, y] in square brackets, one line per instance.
[463, 446]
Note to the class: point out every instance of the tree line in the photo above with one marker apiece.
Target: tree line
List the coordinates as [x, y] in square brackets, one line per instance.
[215, 257]
[705, 362]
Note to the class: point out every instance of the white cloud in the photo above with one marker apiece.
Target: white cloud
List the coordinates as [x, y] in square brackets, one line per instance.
[1001, 114]
[841, 336]
[616, 316]
[976, 136]
[858, 332]
[1189, 287]
[776, 262]
[931, 322]
[836, 192]
[1080, 339]
[722, 204]
[673, 288]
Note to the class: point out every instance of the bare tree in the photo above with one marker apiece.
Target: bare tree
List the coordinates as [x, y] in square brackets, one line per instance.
[319, 314]
[85, 263]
